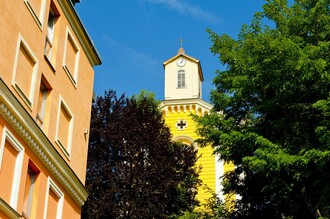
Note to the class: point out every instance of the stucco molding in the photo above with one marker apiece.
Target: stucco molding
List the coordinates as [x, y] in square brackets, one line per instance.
[14, 113]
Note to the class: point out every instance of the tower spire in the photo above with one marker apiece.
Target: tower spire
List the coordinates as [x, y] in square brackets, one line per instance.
[181, 50]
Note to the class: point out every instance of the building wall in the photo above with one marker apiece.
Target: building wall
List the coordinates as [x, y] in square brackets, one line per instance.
[174, 113]
[45, 103]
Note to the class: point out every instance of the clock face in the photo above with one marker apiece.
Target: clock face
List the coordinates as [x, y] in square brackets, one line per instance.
[181, 62]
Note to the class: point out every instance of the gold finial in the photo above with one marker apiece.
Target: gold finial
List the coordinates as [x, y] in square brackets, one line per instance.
[181, 50]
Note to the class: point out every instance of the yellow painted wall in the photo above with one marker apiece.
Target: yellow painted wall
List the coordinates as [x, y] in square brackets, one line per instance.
[206, 159]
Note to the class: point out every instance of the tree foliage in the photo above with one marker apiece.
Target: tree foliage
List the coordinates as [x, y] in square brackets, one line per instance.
[134, 170]
[271, 111]
[213, 208]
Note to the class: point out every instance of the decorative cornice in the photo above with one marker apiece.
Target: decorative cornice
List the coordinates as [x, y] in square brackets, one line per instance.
[186, 104]
[14, 113]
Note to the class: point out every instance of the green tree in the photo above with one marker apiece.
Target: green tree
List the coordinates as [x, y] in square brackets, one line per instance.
[213, 208]
[271, 113]
[134, 170]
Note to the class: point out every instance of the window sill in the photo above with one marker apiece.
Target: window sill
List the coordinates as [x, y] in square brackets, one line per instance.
[8, 210]
[23, 96]
[67, 71]
[63, 149]
[50, 64]
[25, 216]
[34, 15]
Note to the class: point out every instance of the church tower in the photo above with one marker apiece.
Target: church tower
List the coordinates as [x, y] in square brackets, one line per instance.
[183, 77]
[183, 97]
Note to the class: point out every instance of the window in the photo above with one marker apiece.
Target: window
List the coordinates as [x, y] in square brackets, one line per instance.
[25, 72]
[30, 191]
[37, 10]
[64, 128]
[71, 58]
[49, 43]
[11, 161]
[181, 79]
[53, 202]
[42, 99]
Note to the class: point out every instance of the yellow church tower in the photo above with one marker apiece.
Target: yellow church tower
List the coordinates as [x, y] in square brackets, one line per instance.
[183, 97]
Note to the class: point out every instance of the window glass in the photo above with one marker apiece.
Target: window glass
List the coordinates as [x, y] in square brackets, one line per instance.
[181, 79]
[49, 43]
[42, 100]
[30, 190]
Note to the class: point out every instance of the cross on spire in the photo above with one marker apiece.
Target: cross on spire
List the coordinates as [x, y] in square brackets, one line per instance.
[181, 50]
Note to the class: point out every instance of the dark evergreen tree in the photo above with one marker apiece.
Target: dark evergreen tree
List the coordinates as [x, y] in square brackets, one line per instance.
[134, 170]
[272, 111]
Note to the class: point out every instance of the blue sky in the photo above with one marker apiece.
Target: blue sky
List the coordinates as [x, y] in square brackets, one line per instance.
[134, 38]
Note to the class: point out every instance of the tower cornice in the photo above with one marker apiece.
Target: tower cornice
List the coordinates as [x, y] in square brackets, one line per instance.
[186, 104]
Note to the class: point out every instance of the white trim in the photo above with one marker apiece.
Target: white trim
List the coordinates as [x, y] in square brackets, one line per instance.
[187, 138]
[219, 172]
[27, 98]
[183, 137]
[38, 18]
[51, 185]
[65, 148]
[73, 76]
[7, 135]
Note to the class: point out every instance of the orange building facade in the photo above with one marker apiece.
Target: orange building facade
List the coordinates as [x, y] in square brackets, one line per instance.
[46, 88]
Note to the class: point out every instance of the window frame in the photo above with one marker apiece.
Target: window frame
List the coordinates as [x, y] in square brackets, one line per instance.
[37, 16]
[45, 89]
[65, 148]
[53, 16]
[181, 79]
[51, 185]
[8, 136]
[34, 171]
[73, 76]
[50, 35]
[27, 98]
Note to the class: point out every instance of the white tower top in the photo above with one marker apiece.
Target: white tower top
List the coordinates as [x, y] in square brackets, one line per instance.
[183, 77]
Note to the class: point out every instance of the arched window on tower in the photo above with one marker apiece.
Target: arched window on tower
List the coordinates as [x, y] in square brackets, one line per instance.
[181, 79]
